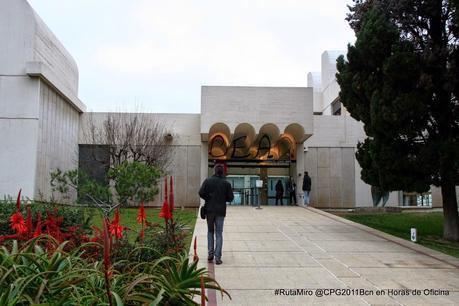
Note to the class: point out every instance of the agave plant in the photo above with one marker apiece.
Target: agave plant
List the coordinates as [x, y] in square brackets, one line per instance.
[32, 275]
[182, 280]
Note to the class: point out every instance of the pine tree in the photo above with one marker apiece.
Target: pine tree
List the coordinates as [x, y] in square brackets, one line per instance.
[401, 79]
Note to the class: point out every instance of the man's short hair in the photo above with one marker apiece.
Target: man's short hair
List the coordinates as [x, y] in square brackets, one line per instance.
[305, 172]
[219, 169]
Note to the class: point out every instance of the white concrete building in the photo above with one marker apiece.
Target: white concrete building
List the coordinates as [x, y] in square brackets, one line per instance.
[260, 133]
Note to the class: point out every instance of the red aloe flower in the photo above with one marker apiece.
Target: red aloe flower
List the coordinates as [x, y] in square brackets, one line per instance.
[16, 219]
[115, 228]
[203, 292]
[165, 212]
[142, 218]
[38, 226]
[171, 199]
[18, 223]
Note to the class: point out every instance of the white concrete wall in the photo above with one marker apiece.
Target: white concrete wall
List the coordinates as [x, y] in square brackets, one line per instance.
[329, 94]
[57, 140]
[331, 133]
[332, 172]
[314, 81]
[335, 131]
[19, 99]
[183, 127]
[39, 106]
[328, 66]
[257, 106]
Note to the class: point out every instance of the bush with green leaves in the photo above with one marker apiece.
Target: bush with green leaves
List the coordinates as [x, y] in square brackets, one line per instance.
[135, 181]
[63, 182]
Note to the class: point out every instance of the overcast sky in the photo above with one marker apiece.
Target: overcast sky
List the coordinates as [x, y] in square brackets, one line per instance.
[158, 54]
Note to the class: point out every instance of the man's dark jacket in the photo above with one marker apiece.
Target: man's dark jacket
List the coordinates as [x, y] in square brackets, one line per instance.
[306, 183]
[216, 191]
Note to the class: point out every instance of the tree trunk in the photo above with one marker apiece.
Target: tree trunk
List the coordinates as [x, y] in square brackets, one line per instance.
[451, 216]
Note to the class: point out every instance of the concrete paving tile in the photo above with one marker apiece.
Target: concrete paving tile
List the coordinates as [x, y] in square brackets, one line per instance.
[360, 246]
[254, 236]
[284, 259]
[337, 268]
[279, 245]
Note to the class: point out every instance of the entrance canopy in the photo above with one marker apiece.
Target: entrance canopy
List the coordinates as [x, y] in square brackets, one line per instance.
[246, 143]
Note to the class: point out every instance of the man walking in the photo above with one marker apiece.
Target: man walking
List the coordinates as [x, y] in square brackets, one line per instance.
[306, 188]
[216, 191]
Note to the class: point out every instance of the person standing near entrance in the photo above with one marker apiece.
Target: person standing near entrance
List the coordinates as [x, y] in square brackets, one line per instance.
[216, 191]
[291, 189]
[306, 188]
[279, 191]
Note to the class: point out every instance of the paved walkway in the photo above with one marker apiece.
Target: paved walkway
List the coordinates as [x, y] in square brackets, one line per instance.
[298, 248]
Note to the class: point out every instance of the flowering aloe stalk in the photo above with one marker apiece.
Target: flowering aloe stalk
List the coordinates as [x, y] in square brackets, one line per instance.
[165, 211]
[141, 218]
[16, 219]
[116, 229]
[107, 250]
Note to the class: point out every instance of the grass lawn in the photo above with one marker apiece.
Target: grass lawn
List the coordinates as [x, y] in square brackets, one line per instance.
[128, 218]
[429, 226]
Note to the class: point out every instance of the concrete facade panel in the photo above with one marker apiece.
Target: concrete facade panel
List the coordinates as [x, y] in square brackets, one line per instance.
[311, 162]
[335, 131]
[323, 158]
[18, 97]
[362, 190]
[348, 181]
[18, 157]
[336, 161]
[257, 106]
[194, 175]
[183, 127]
[57, 141]
[323, 198]
[179, 172]
[336, 198]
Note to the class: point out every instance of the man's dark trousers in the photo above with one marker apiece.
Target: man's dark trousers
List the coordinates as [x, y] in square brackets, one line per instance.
[215, 225]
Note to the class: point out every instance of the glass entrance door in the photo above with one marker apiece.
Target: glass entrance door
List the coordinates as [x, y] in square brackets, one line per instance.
[244, 189]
